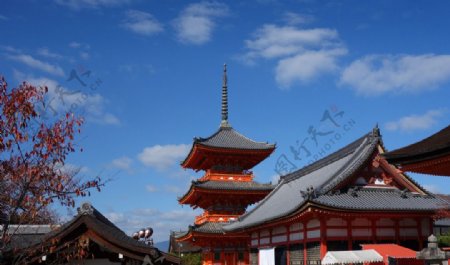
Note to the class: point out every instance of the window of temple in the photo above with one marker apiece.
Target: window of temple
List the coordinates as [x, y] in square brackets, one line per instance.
[296, 254]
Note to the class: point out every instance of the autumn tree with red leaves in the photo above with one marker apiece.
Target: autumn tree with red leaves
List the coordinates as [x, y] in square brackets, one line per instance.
[33, 152]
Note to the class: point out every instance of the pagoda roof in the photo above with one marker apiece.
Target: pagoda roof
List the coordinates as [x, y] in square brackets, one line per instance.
[227, 137]
[227, 142]
[209, 227]
[186, 247]
[206, 228]
[224, 186]
[233, 185]
[432, 148]
[320, 180]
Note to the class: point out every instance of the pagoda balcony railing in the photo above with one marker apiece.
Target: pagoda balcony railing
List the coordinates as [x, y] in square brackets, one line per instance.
[214, 175]
[209, 217]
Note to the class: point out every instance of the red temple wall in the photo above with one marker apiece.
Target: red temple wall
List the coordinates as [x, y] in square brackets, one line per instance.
[322, 234]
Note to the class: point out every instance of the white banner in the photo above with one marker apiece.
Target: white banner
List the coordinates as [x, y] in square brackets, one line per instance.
[267, 256]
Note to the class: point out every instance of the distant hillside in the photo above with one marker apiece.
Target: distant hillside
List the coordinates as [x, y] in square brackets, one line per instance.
[163, 245]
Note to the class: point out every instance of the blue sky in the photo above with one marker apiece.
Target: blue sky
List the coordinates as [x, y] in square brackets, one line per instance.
[149, 79]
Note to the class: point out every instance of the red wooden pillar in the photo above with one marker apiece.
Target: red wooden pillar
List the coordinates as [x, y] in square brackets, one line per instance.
[270, 236]
[305, 253]
[259, 239]
[397, 232]
[419, 232]
[374, 230]
[323, 237]
[349, 234]
[208, 257]
[288, 245]
[430, 223]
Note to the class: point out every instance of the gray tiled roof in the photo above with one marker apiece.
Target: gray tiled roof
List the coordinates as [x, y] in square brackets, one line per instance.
[233, 185]
[442, 222]
[181, 247]
[323, 176]
[90, 218]
[29, 229]
[227, 137]
[206, 227]
[381, 199]
[102, 225]
[209, 227]
[229, 185]
[27, 235]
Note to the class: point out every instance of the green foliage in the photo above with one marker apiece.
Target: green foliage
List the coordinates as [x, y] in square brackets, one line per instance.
[191, 259]
[444, 240]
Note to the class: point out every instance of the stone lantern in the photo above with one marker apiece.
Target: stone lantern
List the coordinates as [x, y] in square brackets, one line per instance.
[432, 255]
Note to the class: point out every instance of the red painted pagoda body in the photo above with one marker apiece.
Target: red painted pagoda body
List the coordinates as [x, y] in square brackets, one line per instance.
[225, 190]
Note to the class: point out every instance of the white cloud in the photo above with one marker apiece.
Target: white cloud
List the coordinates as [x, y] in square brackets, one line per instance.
[433, 188]
[123, 163]
[416, 122]
[133, 69]
[47, 53]
[162, 157]
[173, 189]
[378, 74]
[84, 55]
[272, 41]
[141, 23]
[37, 64]
[62, 100]
[72, 169]
[275, 179]
[79, 4]
[151, 188]
[79, 45]
[196, 22]
[10, 49]
[306, 66]
[104, 118]
[161, 222]
[301, 54]
[3, 17]
[292, 18]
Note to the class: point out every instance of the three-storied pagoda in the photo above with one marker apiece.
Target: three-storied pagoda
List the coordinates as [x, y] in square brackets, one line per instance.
[225, 190]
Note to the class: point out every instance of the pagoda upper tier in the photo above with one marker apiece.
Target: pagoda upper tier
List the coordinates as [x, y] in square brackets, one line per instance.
[226, 151]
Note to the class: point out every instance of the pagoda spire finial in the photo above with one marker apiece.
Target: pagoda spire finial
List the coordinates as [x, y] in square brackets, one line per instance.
[224, 122]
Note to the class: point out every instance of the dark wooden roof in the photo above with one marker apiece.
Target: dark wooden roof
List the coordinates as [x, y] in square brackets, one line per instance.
[434, 147]
[110, 236]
